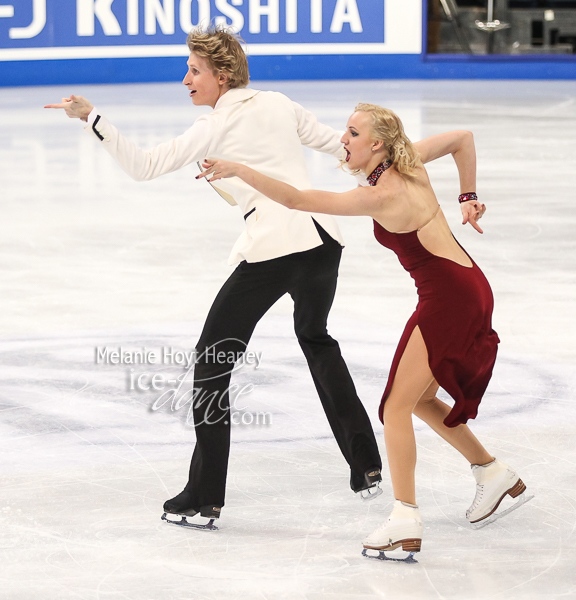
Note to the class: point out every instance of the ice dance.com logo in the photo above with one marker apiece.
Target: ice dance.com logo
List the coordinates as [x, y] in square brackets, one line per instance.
[202, 388]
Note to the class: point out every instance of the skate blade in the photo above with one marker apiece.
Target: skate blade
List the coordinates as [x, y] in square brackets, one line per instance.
[522, 499]
[367, 495]
[409, 558]
[184, 523]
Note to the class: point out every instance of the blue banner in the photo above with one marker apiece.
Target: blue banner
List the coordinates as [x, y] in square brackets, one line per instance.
[80, 23]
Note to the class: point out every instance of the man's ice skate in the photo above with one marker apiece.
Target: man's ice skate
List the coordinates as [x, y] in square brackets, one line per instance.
[370, 487]
[494, 482]
[179, 506]
[402, 529]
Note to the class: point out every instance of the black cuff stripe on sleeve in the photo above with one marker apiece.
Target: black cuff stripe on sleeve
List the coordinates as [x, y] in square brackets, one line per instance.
[249, 213]
[100, 136]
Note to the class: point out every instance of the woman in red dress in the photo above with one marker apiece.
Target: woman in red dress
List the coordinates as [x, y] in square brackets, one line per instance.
[449, 341]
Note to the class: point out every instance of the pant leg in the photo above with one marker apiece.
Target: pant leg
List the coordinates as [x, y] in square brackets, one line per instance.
[242, 301]
[313, 294]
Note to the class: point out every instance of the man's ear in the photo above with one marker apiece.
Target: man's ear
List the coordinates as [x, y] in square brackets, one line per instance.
[223, 78]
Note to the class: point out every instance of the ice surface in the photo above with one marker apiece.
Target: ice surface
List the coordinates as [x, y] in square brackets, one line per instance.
[90, 259]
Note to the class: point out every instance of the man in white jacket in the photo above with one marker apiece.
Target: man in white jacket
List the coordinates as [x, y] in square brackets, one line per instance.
[280, 251]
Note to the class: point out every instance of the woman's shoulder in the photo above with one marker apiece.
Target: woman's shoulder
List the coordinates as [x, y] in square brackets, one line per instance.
[401, 192]
[419, 177]
[393, 182]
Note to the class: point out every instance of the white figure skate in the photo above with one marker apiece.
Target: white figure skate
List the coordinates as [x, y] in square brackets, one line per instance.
[493, 482]
[403, 528]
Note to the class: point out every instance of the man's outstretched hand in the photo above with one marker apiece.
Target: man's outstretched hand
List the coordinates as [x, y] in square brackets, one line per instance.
[76, 107]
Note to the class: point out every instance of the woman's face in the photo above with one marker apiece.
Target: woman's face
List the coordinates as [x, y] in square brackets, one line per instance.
[358, 141]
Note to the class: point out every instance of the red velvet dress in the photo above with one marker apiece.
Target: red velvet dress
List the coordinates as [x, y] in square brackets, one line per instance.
[454, 314]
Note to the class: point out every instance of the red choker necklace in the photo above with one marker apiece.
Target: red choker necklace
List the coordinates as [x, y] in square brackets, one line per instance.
[375, 175]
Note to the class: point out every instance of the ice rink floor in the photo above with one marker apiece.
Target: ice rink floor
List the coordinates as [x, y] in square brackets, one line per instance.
[91, 262]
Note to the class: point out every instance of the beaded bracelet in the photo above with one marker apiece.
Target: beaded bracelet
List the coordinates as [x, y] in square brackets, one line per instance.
[467, 196]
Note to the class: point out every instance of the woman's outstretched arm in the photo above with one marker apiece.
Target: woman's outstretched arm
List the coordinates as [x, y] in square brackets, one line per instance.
[360, 201]
[460, 144]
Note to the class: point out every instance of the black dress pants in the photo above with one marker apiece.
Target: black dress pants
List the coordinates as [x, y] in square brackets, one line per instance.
[310, 278]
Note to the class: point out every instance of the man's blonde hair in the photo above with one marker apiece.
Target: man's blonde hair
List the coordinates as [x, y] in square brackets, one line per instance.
[387, 127]
[222, 48]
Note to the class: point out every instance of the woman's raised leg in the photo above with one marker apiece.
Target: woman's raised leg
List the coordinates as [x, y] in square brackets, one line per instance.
[433, 411]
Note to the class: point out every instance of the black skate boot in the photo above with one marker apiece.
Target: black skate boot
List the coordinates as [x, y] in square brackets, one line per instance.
[181, 505]
[369, 484]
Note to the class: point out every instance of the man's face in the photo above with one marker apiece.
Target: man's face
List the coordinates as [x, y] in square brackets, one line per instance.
[205, 86]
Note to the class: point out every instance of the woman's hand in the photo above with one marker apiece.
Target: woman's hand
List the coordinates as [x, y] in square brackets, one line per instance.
[76, 107]
[219, 169]
[471, 212]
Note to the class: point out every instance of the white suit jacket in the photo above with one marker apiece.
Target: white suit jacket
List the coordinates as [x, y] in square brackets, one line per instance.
[264, 130]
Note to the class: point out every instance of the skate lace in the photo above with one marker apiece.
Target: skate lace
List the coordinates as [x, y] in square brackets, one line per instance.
[478, 497]
[383, 527]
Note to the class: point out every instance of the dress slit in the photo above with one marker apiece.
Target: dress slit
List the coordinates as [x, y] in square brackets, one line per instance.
[408, 330]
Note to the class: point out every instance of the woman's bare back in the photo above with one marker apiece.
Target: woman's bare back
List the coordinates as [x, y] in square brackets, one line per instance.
[409, 204]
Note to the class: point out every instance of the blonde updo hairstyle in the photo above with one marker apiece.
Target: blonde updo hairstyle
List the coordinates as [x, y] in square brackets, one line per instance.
[387, 128]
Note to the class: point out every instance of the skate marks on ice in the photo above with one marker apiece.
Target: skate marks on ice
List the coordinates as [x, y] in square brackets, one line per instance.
[136, 456]
[522, 499]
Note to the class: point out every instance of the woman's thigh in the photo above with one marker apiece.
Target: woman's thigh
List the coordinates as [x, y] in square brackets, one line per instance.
[413, 377]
